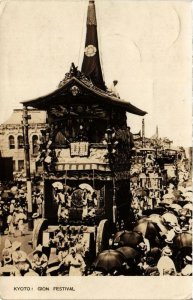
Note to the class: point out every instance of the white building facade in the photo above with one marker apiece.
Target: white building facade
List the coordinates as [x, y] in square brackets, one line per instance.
[11, 138]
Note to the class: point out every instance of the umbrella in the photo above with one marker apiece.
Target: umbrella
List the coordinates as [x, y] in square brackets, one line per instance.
[155, 252]
[157, 210]
[147, 228]
[170, 218]
[58, 185]
[129, 253]
[157, 219]
[188, 206]
[182, 240]
[128, 238]
[87, 187]
[109, 260]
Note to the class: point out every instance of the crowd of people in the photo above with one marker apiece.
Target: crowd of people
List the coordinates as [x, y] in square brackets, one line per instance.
[158, 244]
[13, 209]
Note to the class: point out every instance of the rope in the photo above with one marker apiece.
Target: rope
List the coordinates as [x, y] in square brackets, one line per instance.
[81, 39]
[99, 37]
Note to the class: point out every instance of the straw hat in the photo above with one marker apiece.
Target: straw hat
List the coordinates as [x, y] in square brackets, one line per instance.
[188, 259]
[168, 241]
[7, 257]
[35, 215]
[166, 251]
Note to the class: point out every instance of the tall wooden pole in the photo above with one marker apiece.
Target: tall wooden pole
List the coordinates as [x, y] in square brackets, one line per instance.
[27, 165]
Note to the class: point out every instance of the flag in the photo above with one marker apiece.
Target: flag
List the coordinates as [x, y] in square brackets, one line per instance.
[91, 66]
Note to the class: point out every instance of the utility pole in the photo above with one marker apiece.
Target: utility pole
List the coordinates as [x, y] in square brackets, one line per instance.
[26, 117]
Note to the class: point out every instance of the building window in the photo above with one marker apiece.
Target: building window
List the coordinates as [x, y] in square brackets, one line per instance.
[11, 142]
[20, 141]
[20, 165]
[35, 144]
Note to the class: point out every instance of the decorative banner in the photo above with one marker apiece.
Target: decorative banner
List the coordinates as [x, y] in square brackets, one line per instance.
[91, 65]
[79, 149]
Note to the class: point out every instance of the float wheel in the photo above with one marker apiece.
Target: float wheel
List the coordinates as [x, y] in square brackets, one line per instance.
[37, 235]
[102, 237]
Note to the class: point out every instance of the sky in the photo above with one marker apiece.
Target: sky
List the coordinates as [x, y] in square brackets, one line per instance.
[145, 45]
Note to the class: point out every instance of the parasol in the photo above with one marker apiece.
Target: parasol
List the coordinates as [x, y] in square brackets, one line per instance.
[128, 238]
[129, 253]
[183, 240]
[109, 260]
[155, 252]
[147, 228]
[87, 187]
[157, 219]
[170, 218]
[57, 185]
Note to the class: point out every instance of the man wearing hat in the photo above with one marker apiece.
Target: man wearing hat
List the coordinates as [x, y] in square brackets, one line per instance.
[19, 257]
[21, 217]
[187, 270]
[170, 236]
[165, 264]
[113, 89]
[76, 263]
[39, 262]
[11, 224]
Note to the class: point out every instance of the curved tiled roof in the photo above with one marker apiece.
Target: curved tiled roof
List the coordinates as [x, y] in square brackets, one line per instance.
[105, 97]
